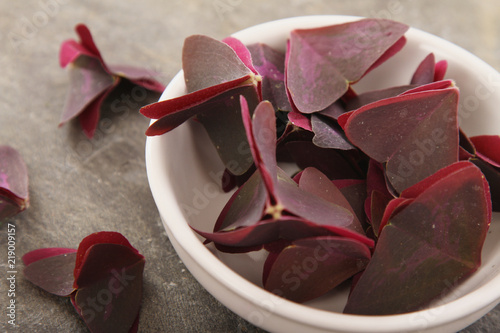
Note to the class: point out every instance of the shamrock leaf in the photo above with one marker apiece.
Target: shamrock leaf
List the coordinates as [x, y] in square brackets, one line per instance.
[92, 80]
[103, 278]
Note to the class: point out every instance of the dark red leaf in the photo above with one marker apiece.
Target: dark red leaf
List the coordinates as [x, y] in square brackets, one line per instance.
[416, 134]
[492, 175]
[241, 51]
[91, 80]
[222, 120]
[202, 66]
[433, 241]
[328, 134]
[105, 237]
[39, 254]
[487, 148]
[109, 291]
[261, 134]
[88, 80]
[270, 64]
[51, 270]
[314, 181]
[440, 70]
[425, 71]
[322, 62]
[71, 49]
[89, 117]
[310, 267]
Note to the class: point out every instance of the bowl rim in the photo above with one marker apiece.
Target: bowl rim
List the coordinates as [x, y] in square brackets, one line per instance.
[484, 297]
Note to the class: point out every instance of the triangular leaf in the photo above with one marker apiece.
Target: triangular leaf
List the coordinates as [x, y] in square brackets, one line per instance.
[323, 61]
[416, 134]
[202, 66]
[320, 263]
[428, 246]
[53, 273]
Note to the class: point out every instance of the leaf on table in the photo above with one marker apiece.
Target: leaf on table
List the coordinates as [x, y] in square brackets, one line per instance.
[103, 278]
[92, 80]
[51, 269]
[14, 195]
[433, 243]
[323, 62]
[87, 80]
[111, 274]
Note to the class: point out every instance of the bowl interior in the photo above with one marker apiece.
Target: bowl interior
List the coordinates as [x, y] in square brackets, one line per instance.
[184, 172]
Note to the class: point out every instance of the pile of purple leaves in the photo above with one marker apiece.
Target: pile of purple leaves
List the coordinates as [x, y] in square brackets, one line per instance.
[390, 195]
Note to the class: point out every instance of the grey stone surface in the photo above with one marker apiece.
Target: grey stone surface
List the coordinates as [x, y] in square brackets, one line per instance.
[80, 186]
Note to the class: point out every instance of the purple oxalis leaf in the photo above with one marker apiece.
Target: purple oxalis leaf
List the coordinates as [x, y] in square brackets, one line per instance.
[425, 71]
[91, 80]
[376, 95]
[322, 62]
[113, 273]
[202, 66]
[314, 181]
[261, 134]
[88, 80]
[14, 195]
[242, 52]
[51, 269]
[270, 64]
[415, 134]
[40, 254]
[106, 263]
[487, 158]
[105, 267]
[321, 264]
[429, 245]
[328, 134]
[222, 120]
[487, 148]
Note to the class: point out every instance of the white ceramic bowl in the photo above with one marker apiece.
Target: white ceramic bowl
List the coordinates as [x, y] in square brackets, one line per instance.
[184, 171]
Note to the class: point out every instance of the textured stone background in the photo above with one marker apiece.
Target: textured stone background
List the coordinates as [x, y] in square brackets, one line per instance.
[80, 186]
